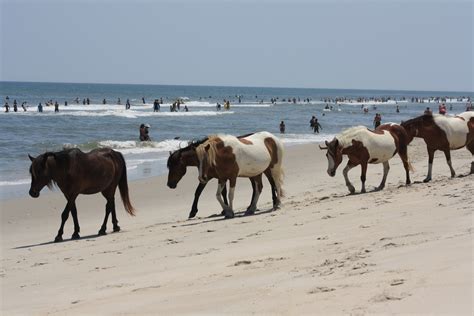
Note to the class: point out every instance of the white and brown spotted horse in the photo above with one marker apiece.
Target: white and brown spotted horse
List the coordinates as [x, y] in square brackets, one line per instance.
[363, 147]
[227, 157]
[445, 133]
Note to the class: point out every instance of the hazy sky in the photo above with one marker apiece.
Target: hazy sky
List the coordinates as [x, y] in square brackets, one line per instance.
[412, 45]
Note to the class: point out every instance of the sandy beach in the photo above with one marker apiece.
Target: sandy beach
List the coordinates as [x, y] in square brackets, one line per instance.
[400, 250]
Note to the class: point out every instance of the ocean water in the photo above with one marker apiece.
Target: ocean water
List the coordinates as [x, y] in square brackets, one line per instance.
[97, 125]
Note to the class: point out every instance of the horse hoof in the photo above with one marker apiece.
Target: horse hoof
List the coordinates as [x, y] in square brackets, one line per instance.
[102, 232]
[116, 229]
[427, 180]
[223, 212]
[229, 215]
[249, 212]
[75, 236]
[58, 239]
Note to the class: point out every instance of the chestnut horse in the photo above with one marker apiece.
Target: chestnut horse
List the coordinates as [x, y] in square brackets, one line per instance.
[75, 172]
[179, 160]
[227, 157]
[363, 147]
[443, 133]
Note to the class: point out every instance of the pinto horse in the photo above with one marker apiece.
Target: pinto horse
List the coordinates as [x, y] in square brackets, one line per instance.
[443, 133]
[75, 172]
[179, 160]
[227, 157]
[363, 147]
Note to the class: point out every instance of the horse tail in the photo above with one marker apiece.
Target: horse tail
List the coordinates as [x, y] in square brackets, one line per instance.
[403, 141]
[278, 173]
[123, 187]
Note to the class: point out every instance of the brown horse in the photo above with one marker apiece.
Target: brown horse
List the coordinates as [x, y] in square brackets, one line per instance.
[75, 172]
[443, 133]
[363, 147]
[179, 160]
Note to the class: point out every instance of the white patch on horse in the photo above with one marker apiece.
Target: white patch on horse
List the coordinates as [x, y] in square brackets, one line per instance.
[381, 147]
[253, 158]
[456, 129]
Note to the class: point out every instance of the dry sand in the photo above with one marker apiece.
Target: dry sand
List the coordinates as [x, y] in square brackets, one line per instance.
[401, 250]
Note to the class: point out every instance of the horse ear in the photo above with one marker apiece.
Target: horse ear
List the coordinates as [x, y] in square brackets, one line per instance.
[170, 153]
[31, 157]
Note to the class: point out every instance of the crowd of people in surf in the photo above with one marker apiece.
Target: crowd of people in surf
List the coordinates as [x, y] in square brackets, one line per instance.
[179, 104]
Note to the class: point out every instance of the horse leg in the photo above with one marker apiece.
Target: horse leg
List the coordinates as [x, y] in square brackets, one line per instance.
[275, 199]
[109, 208]
[430, 164]
[252, 182]
[197, 194]
[114, 217]
[470, 147]
[64, 216]
[230, 211]
[386, 168]
[220, 187]
[406, 165]
[349, 185]
[224, 196]
[258, 186]
[77, 229]
[363, 172]
[447, 153]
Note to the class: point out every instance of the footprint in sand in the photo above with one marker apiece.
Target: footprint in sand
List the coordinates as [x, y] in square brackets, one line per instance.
[321, 289]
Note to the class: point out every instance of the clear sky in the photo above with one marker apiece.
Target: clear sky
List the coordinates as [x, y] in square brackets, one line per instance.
[408, 45]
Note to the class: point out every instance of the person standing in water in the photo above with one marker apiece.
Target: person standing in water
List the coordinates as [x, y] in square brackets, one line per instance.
[23, 105]
[15, 106]
[7, 107]
[377, 120]
[144, 133]
[282, 127]
[316, 126]
[56, 107]
[40, 107]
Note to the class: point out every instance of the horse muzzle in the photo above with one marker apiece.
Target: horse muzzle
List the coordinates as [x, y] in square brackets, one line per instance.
[331, 173]
[172, 185]
[34, 193]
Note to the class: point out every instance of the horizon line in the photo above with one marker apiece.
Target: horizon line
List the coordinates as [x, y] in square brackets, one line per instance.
[234, 86]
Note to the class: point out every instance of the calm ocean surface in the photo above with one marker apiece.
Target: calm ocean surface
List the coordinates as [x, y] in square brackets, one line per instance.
[98, 125]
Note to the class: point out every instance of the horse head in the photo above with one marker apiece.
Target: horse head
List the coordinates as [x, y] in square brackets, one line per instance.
[40, 173]
[176, 168]
[333, 154]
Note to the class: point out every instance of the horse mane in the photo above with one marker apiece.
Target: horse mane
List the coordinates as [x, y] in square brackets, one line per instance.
[62, 160]
[211, 152]
[418, 119]
[191, 144]
[347, 135]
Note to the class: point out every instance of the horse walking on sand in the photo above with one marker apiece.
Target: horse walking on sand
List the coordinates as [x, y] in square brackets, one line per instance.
[363, 147]
[75, 172]
[179, 160]
[445, 133]
[227, 157]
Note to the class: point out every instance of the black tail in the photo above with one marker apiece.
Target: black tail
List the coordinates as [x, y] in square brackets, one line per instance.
[123, 187]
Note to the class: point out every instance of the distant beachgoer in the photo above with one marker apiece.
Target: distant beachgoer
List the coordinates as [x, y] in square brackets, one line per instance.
[7, 98]
[40, 108]
[186, 108]
[143, 99]
[450, 107]
[7, 107]
[127, 105]
[428, 111]
[218, 106]
[398, 109]
[377, 120]
[469, 107]
[88, 101]
[65, 103]
[311, 122]
[84, 101]
[119, 101]
[282, 127]
[144, 133]
[442, 109]
[77, 100]
[316, 126]
[15, 106]
[56, 106]
[156, 106]
[23, 105]
[104, 101]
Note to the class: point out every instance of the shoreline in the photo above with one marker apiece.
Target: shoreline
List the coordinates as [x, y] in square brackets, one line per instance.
[400, 250]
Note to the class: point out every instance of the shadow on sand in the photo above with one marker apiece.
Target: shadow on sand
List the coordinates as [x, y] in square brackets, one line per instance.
[52, 242]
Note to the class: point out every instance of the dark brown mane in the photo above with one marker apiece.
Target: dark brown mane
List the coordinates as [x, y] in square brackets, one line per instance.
[191, 144]
[419, 119]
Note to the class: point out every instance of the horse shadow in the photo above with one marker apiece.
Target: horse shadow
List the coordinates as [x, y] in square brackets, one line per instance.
[219, 217]
[88, 237]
